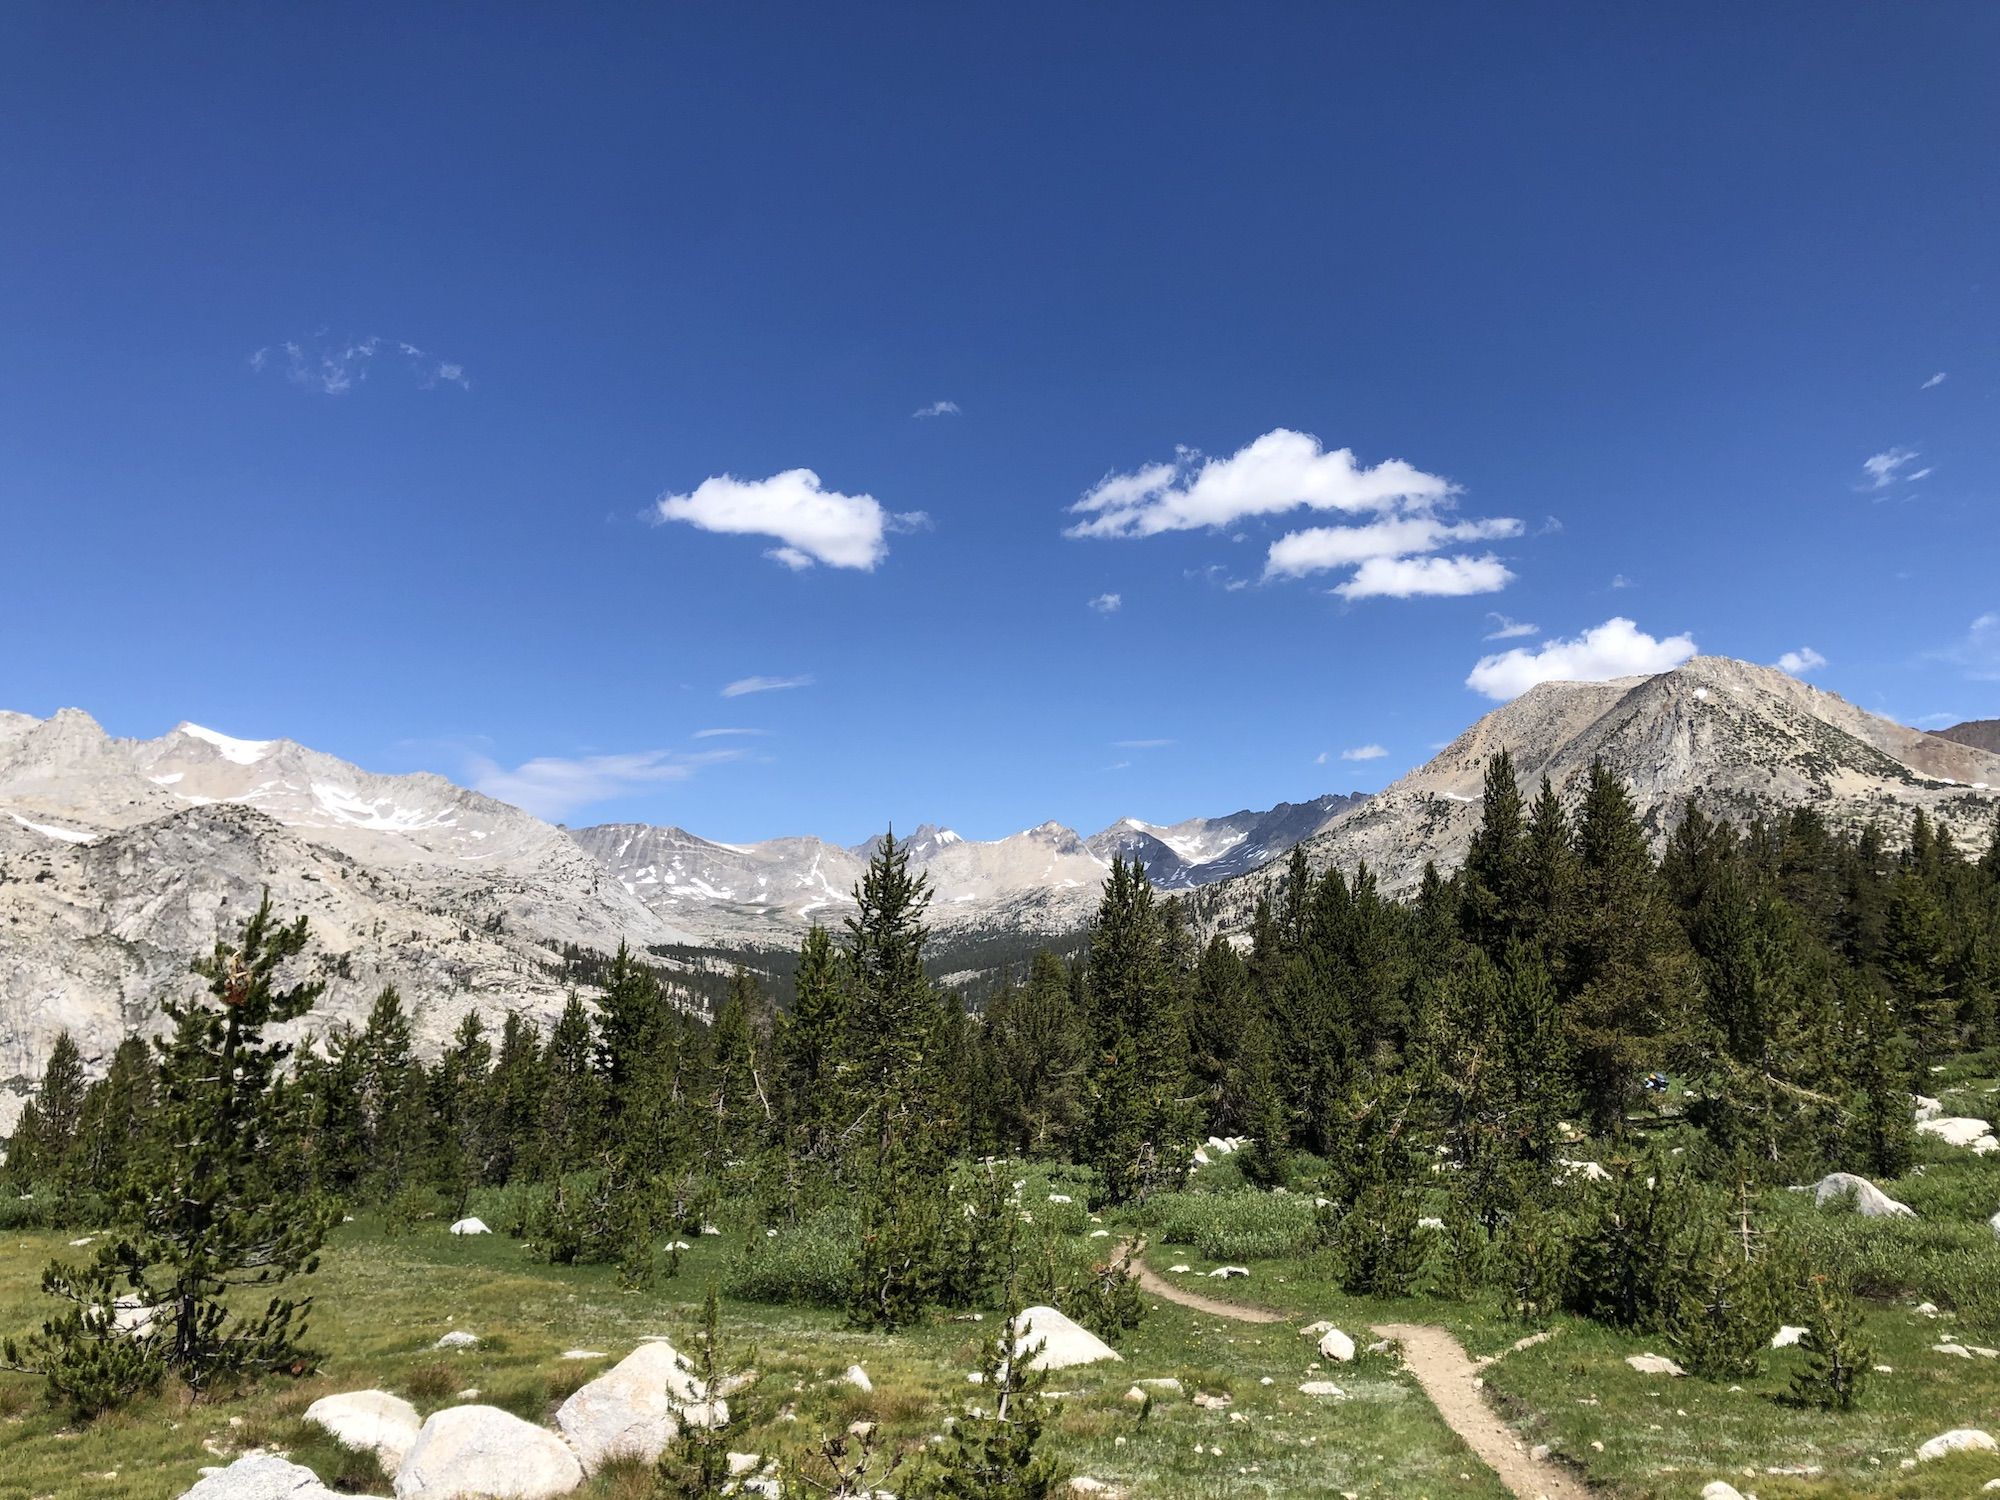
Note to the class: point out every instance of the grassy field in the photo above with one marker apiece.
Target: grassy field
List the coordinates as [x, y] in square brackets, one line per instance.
[383, 1303]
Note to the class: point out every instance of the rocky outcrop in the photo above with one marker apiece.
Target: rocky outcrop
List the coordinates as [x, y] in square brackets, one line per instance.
[1869, 1200]
[261, 1476]
[484, 1453]
[1063, 1342]
[637, 1407]
[371, 1421]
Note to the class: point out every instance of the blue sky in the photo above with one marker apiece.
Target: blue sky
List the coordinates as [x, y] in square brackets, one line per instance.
[1357, 333]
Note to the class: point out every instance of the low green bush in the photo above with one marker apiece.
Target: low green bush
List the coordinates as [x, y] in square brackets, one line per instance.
[1240, 1225]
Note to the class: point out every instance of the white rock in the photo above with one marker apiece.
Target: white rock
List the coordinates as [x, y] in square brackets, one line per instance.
[1060, 1198]
[1162, 1383]
[131, 1316]
[1320, 1388]
[742, 1463]
[585, 1354]
[1958, 1440]
[1201, 1156]
[1869, 1200]
[635, 1408]
[1653, 1364]
[1063, 1342]
[260, 1476]
[1314, 1330]
[373, 1421]
[1183, 1268]
[1336, 1346]
[470, 1226]
[1787, 1336]
[1959, 1130]
[1226, 1272]
[1720, 1489]
[457, 1339]
[484, 1453]
[1589, 1171]
[1925, 1109]
[858, 1378]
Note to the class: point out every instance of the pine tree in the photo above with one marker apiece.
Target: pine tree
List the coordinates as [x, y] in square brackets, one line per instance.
[213, 1205]
[572, 1116]
[1724, 1315]
[1494, 878]
[1038, 1043]
[990, 1454]
[1837, 1362]
[117, 1114]
[459, 1112]
[1880, 1140]
[1917, 959]
[1141, 1119]
[695, 1465]
[520, 1080]
[814, 1044]
[38, 1155]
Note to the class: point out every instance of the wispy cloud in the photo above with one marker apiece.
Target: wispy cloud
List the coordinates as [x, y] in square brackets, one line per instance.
[745, 685]
[1141, 744]
[1107, 604]
[1934, 382]
[1800, 662]
[937, 409]
[809, 522]
[334, 369]
[553, 786]
[1885, 469]
[1364, 752]
[1617, 648]
[1620, 581]
[1321, 548]
[1505, 629]
[716, 734]
[1977, 652]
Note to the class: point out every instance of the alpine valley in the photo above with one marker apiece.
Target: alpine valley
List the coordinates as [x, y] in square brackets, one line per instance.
[119, 857]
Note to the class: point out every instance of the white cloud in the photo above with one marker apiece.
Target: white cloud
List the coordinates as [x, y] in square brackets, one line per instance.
[552, 787]
[1323, 757]
[1800, 662]
[1320, 548]
[1617, 648]
[1886, 468]
[1364, 752]
[334, 369]
[1620, 581]
[716, 734]
[937, 409]
[1935, 381]
[811, 524]
[1280, 471]
[1978, 650]
[1505, 629]
[1108, 604]
[1140, 744]
[1411, 577]
[743, 685]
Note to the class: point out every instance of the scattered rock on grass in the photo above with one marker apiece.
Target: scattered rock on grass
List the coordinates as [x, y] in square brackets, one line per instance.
[1063, 1341]
[1958, 1440]
[484, 1453]
[1336, 1346]
[457, 1339]
[470, 1226]
[1653, 1364]
[373, 1421]
[1720, 1489]
[858, 1378]
[1961, 1131]
[1869, 1200]
[1321, 1388]
[1787, 1336]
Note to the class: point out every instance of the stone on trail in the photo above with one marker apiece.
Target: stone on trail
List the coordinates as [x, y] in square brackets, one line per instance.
[1321, 1388]
[1787, 1336]
[372, 1421]
[1653, 1364]
[1958, 1440]
[634, 1409]
[1336, 1346]
[457, 1340]
[260, 1476]
[1869, 1200]
[470, 1226]
[484, 1453]
[1063, 1341]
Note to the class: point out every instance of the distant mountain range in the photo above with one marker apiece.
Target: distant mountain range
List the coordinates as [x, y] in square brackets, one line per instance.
[121, 858]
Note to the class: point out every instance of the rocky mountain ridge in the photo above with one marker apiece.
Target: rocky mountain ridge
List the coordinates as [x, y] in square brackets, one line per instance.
[1740, 739]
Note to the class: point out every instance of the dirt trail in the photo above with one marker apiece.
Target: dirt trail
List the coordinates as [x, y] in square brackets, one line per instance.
[1447, 1375]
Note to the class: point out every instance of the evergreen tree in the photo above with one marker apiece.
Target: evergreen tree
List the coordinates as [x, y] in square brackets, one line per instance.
[814, 1045]
[45, 1135]
[117, 1115]
[1494, 879]
[572, 1115]
[213, 1204]
[1038, 1044]
[1837, 1362]
[990, 1453]
[519, 1083]
[459, 1112]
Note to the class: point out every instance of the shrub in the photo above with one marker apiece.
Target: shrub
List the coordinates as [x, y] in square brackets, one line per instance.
[1235, 1225]
[806, 1266]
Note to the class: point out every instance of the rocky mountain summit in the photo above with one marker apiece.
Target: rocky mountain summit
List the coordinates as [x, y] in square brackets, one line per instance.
[1742, 740]
[1981, 734]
